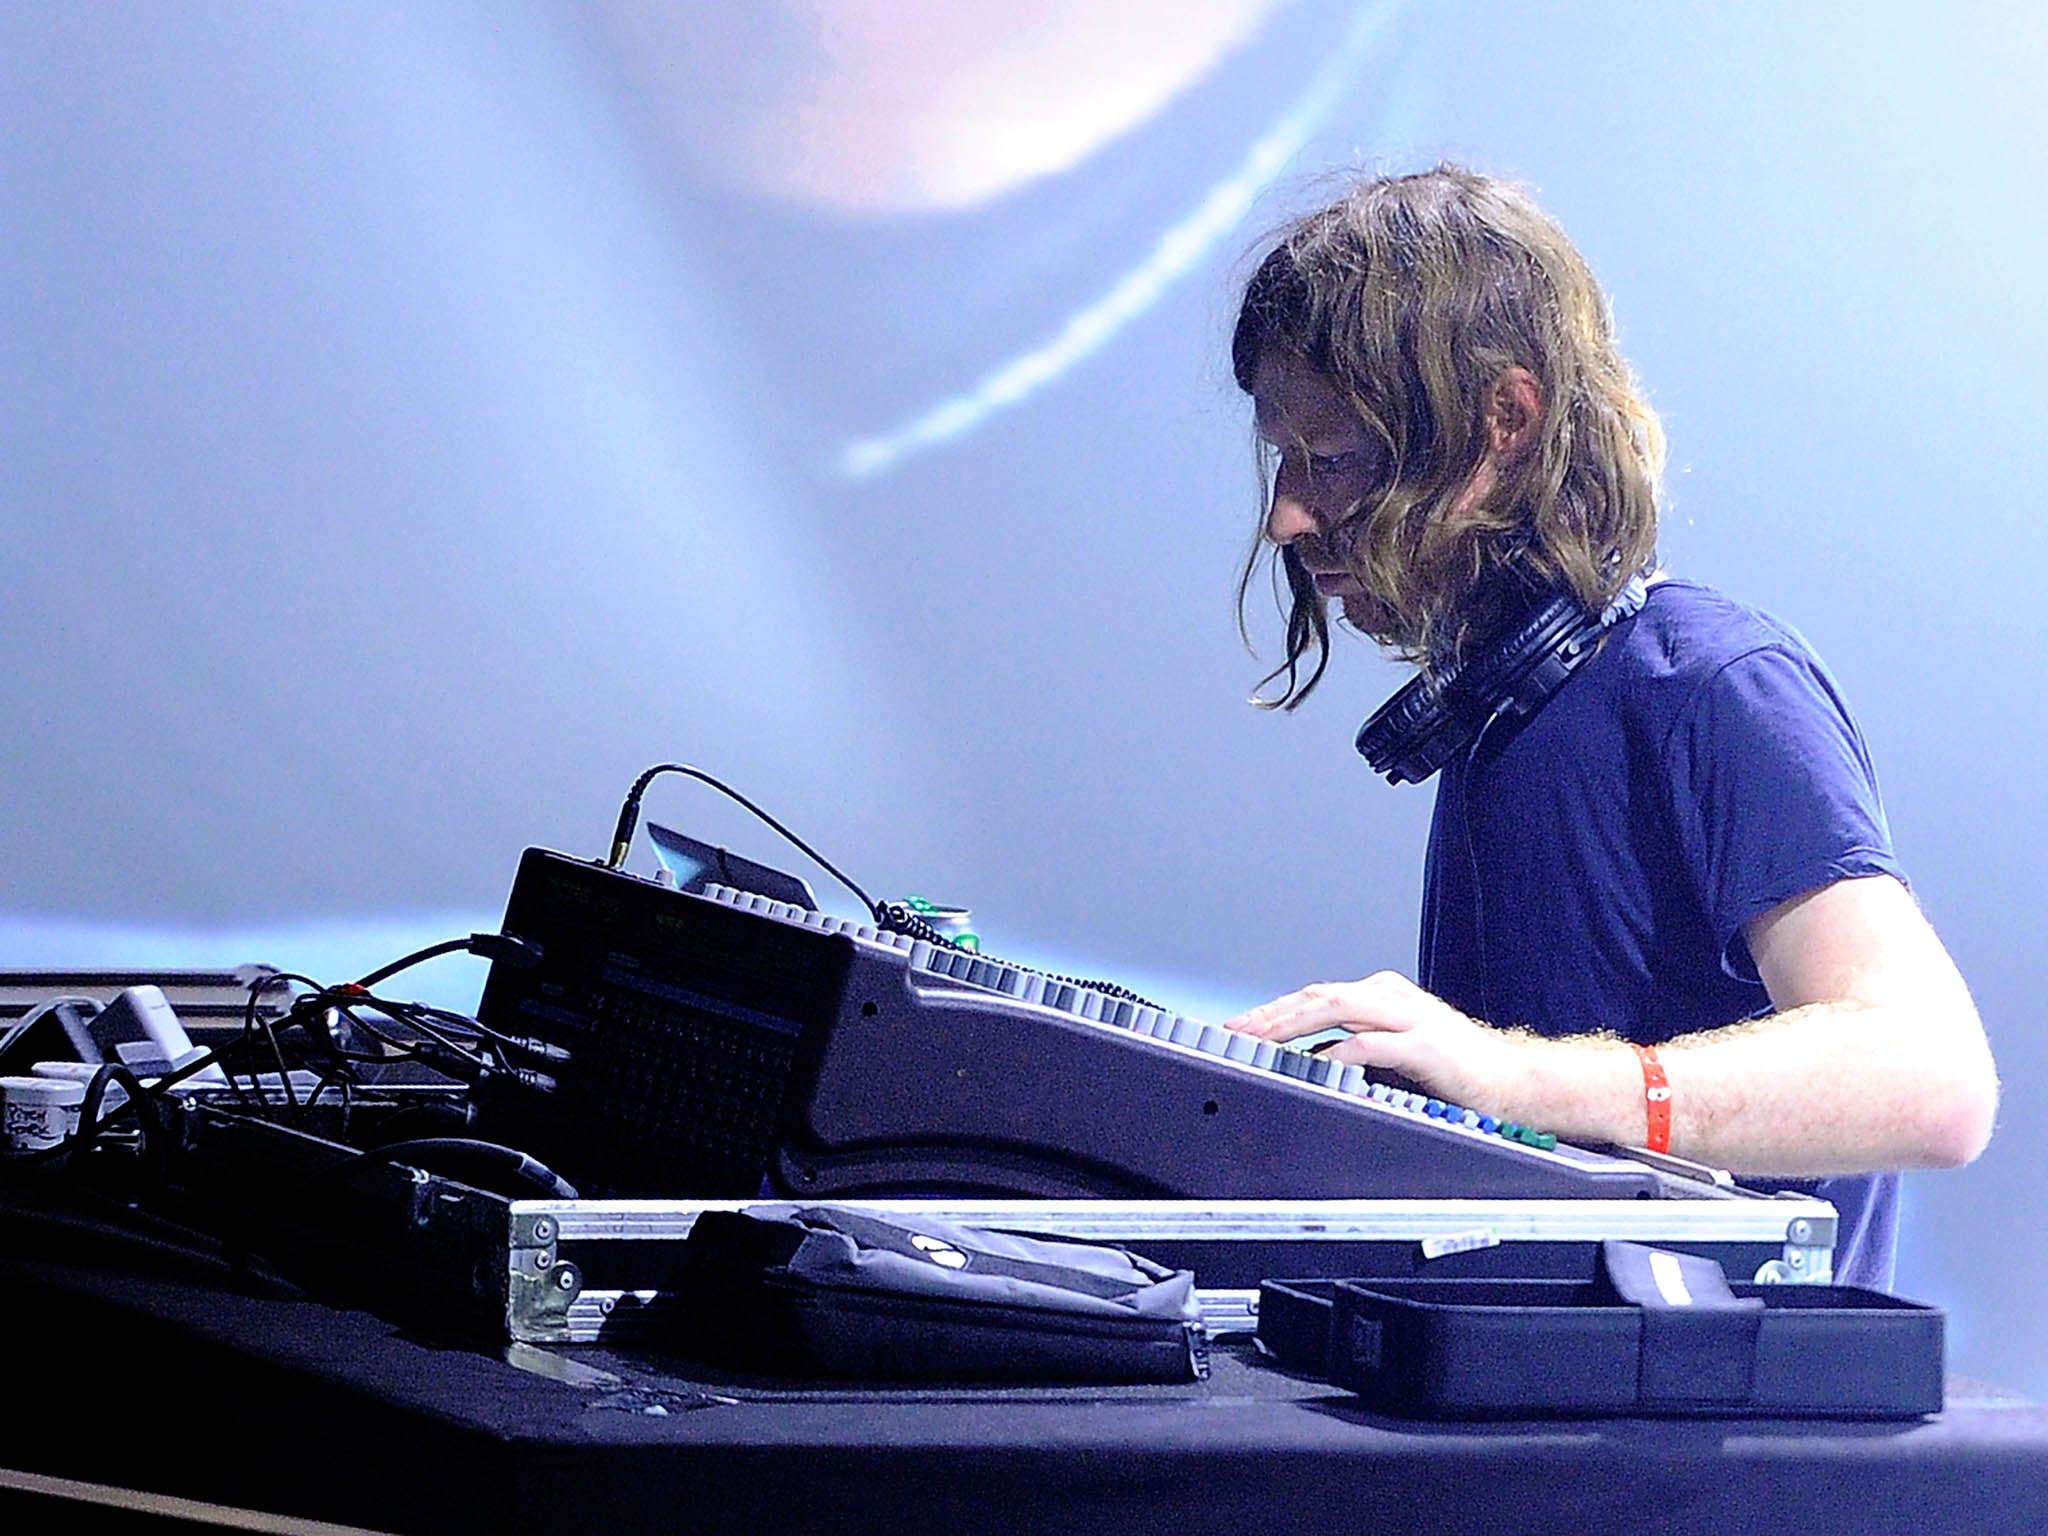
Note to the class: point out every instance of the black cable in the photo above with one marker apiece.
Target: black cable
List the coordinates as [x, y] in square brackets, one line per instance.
[439, 1048]
[492, 946]
[891, 916]
[145, 1099]
[440, 1024]
[147, 1118]
[1472, 859]
[509, 1161]
[284, 1072]
[427, 1022]
[257, 987]
[433, 1037]
[319, 999]
[338, 1080]
[250, 1021]
[418, 956]
[629, 820]
[458, 1021]
[158, 1087]
[898, 917]
[418, 1047]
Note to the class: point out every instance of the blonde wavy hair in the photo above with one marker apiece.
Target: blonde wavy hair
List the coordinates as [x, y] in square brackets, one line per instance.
[1411, 295]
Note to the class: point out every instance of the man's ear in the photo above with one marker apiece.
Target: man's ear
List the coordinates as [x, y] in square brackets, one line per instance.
[1514, 414]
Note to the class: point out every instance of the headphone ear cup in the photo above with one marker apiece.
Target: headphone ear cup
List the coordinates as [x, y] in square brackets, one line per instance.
[1418, 730]
[1389, 731]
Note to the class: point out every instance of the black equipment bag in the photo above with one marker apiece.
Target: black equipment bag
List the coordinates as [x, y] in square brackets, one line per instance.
[827, 1291]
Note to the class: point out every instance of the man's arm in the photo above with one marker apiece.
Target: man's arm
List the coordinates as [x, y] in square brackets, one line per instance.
[1876, 1058]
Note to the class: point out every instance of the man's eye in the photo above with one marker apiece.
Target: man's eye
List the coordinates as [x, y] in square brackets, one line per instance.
[1330, 463]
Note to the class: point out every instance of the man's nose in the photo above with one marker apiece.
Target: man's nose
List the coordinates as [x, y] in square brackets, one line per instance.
[1288, 518]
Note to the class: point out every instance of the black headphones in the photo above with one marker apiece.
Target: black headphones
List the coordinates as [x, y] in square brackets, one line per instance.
[1432, 719]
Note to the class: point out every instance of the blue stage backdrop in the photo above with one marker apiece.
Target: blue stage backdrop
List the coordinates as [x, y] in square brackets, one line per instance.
[415, 419]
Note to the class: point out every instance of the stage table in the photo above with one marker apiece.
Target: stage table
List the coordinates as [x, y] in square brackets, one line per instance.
[143, 1360]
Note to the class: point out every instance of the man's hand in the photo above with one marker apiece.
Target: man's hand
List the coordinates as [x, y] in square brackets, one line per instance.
[1397, 1027]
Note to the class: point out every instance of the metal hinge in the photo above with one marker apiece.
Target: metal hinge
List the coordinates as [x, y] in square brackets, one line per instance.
[541, 1286]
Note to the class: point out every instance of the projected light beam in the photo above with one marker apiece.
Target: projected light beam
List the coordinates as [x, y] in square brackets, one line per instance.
[1178, 250]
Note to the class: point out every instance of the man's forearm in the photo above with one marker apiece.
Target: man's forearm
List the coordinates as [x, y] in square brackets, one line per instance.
[1828, 1088]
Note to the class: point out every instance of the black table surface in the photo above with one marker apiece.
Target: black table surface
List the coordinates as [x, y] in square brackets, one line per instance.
[148, 1363]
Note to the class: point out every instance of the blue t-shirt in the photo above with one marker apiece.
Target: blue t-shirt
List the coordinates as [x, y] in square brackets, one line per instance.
[1592, 868]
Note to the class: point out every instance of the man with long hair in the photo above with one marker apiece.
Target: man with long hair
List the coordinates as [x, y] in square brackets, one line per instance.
[1660, 907]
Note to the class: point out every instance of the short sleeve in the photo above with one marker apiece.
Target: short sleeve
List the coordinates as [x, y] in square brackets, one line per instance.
[1772, 792]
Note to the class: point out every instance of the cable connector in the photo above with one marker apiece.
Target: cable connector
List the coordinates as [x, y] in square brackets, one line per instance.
[457, 1064]
[523, 954]
[529, 1046]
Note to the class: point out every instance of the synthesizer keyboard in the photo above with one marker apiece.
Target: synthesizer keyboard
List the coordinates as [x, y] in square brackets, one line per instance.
[722, 1042]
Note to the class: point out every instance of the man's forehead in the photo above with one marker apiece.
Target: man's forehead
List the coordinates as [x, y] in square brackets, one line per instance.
[1292, 401]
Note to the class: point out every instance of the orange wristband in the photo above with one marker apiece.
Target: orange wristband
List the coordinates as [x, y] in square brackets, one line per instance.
[1656, 1099]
